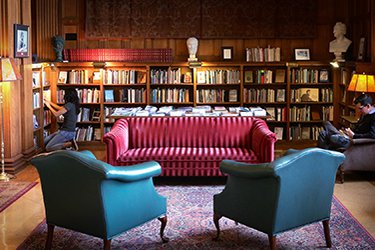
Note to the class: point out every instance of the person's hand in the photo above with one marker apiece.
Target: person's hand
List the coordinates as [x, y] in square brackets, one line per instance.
[349, 132]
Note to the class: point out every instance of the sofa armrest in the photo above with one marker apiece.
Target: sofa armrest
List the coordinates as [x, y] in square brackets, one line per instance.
[262, 141]
[362, 141]
[117, 140]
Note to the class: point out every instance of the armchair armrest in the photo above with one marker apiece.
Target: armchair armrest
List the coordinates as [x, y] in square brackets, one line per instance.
[246, 170]
[117, 141]
[133, 173]
[262, 141]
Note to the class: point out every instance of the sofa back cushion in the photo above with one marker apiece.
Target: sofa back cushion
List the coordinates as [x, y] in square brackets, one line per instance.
[151, 132]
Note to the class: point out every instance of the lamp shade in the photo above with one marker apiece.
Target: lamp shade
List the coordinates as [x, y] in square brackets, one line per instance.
[362, 83]
[8, 70]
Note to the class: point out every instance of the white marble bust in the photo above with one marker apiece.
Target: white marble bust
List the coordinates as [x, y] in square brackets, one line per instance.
[341, 43]
[192, 45]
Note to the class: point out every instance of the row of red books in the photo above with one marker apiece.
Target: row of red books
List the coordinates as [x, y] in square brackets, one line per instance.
[118, 55]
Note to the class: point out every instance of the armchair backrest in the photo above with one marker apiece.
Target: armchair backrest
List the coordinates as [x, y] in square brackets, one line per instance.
[72, 190]
[306, 183]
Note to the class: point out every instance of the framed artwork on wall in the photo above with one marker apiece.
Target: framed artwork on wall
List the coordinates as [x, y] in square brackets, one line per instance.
[227, 53]
[21, 40]
[361, 49]
[302, 54]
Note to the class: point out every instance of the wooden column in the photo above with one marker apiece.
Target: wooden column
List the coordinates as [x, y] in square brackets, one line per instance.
[18, 123]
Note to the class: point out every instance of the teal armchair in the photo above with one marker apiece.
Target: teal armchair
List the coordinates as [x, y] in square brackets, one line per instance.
[288, 193]
[86, 195]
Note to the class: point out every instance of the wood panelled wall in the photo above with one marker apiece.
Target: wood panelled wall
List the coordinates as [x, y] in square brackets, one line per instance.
[18, 125]
[72, 14]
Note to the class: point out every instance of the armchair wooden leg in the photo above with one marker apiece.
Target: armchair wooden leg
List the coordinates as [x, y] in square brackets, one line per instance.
[49, 236]
[217, 217]
[341, 173]
[107, 244]
[327, 234]
[272, 240]
[163, 221]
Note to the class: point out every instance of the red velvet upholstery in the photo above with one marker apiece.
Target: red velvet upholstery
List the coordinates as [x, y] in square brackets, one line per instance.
[189, 146]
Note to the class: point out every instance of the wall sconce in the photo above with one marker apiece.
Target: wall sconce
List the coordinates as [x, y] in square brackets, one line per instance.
[8, 73]
[362, 83]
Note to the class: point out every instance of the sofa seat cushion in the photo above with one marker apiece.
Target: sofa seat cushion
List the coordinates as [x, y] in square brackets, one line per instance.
[181, 154]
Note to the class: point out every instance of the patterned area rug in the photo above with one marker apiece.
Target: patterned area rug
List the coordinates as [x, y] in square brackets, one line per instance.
[190, 226]
[10, 191]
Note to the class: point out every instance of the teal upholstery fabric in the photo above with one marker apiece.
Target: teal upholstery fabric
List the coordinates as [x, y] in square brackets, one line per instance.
[90, 196]
[290, 192]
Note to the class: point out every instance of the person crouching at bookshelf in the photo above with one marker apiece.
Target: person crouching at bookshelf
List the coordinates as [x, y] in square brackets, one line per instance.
[64, 138]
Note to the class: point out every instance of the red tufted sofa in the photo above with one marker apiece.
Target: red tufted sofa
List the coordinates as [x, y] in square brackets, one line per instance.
[189, 146]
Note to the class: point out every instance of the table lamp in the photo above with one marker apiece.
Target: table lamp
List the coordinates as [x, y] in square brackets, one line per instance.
[8, 73]
[362, 83]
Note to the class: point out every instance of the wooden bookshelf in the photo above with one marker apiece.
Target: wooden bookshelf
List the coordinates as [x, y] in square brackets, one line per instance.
[42, 117]
[271, 85]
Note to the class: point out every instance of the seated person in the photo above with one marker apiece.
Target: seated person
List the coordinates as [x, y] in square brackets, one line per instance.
[331, 138]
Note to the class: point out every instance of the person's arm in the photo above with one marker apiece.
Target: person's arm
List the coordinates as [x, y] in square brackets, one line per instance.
[370, 133]
[55, 109]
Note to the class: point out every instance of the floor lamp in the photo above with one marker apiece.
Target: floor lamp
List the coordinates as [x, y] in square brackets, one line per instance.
[8, 73]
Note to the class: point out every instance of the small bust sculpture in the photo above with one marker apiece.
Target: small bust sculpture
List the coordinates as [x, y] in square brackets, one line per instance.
[58, 45]
[192, 45]
[341, 43]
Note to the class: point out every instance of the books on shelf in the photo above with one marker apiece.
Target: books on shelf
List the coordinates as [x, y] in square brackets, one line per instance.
[263, 54]
[115, 55]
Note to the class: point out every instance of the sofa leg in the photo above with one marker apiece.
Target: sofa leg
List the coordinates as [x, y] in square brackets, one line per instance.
[163, 221]
[50, 229]
[327, 234]
[272, 240]
[217, 217]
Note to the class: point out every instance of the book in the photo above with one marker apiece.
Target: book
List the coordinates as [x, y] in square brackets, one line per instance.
[323, 75]
[279, 132]
[96, 77]
[280, 76]
[305, 133]
[63, 77]
[36, 79]
[109, 95]
[187, 78]
[248, 76]
[201, 77]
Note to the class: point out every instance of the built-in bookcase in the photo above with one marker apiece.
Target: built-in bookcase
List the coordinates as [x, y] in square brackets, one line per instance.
[278, 87]
[42, 117]
[310, 99]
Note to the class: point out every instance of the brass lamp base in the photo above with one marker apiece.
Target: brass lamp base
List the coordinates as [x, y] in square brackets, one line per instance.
[4, 177]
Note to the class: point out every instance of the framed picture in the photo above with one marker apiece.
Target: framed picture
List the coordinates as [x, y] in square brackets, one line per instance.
[21, 40]
[361, 49]
[323, 75]
[227, 53]
[308, 94]
[302, 54]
